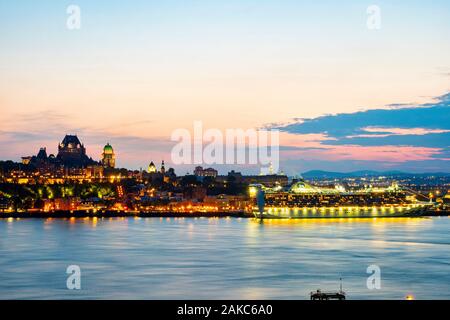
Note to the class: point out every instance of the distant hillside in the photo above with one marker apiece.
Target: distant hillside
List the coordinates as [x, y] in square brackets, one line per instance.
[319, 174]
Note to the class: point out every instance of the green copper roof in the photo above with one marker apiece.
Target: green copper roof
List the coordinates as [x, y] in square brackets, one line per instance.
[108, 148]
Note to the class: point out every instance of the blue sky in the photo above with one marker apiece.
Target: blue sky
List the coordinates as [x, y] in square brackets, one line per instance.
[138, 70]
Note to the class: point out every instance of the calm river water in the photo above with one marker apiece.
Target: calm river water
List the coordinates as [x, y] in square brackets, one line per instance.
[153, 258]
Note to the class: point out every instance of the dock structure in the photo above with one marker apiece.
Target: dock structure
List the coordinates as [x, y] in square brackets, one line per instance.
[319, 295]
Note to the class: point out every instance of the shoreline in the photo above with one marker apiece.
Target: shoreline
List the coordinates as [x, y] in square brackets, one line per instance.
[122, 214]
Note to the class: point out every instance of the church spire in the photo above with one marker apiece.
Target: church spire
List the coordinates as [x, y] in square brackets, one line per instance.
[163, 168]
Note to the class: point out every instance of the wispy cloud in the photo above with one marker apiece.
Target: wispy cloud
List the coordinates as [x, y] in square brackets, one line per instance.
[380, 132]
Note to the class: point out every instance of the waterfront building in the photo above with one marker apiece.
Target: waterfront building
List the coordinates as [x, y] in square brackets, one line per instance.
[446, 200]
[6, 205]
[62, 204]
[230, 203]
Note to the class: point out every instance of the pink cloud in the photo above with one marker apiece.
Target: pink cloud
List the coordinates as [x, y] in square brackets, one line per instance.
[312, 140]
[312, 147]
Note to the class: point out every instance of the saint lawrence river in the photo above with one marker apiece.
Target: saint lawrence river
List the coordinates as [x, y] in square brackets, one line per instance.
[153, 258]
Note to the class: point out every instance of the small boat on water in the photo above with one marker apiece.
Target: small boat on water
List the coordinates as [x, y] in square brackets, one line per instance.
[319, 295]
[322, 295]
[302, 201]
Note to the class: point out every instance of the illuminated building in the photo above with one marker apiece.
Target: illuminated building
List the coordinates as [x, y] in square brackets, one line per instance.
[208, 172]
[108, 157]
[72, 153]
[446, 200]
[71, 164]
[5, 205]
[26, 160]
[158, 177]
[93, 172]
[62, 204]
[120, 191]
[71, 147]
[270, 180]
[40, 158]
[152, 168]
[225, 202]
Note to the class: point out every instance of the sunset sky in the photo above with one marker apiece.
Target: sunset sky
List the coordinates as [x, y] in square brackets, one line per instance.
[345, 97]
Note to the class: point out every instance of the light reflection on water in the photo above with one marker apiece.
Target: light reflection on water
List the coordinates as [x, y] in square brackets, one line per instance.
[180, 258]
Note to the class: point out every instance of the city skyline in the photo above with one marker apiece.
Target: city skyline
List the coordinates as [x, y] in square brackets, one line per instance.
[254, 64]
[308, 141]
